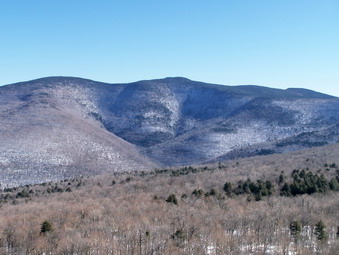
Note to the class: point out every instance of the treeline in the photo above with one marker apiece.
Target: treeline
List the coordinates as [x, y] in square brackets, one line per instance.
[303, 182]
[300, 182]
[27, 192]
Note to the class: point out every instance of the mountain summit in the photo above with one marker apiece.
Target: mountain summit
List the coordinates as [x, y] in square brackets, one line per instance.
[59, 127]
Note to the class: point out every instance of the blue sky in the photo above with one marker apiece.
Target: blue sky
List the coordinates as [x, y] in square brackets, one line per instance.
[280, 43]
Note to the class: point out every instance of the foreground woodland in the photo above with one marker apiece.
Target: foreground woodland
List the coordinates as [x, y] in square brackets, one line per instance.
[277, 204]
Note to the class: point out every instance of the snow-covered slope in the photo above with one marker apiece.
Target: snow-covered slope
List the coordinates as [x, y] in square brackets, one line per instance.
[57, 127]
[49, 132]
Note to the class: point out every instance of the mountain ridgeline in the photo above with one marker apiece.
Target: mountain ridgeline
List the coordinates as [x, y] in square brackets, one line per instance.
[59, 127]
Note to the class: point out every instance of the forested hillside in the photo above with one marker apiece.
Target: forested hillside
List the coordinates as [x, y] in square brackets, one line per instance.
[276, 204]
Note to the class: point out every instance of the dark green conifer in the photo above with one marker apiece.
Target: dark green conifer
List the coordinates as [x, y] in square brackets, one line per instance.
[172, 199]
[320, 231]
[295, 230]
[46, 226]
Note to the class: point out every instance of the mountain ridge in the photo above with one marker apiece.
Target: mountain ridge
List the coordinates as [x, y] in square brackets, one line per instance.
[151, 123]
[296, 92]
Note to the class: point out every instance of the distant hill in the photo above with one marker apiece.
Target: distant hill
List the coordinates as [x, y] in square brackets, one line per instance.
[58, 127]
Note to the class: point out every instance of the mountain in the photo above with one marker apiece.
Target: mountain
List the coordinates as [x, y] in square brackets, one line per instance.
[58, 127]
[48, 132]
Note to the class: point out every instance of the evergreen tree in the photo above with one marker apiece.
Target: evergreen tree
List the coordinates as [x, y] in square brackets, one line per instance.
[333, 184]
[228, 187]
[320, 231]
[258, 196]
[172, 199]
[285, 190]
[281, 178]
[198, 193]
[46, 226]
[295, 229]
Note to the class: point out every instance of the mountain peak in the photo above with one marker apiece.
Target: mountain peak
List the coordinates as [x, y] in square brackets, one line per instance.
[178, 78]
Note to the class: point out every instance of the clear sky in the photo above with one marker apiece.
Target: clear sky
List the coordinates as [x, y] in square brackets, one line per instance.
[275, 43]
